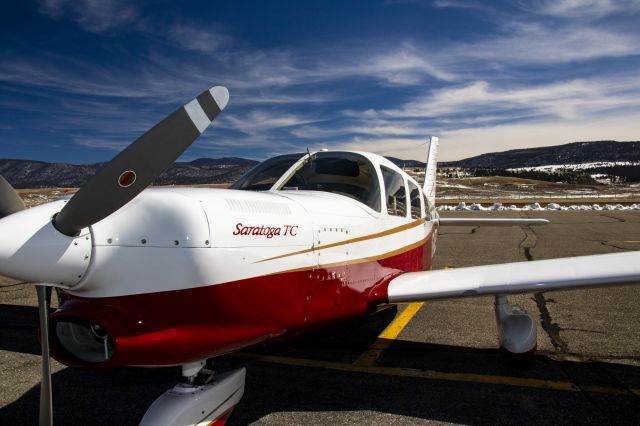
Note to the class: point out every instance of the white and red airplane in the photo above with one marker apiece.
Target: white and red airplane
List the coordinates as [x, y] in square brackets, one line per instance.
[177, 276]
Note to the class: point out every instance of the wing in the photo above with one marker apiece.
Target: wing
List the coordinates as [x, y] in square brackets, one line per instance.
[520, 277]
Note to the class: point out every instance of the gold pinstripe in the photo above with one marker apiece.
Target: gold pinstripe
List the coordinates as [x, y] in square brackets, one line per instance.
[395, 230]
[360, 260]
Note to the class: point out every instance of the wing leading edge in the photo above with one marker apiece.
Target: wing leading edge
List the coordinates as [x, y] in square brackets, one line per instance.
[519, 277]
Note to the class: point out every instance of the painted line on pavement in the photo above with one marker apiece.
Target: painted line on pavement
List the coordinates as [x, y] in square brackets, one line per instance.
[487, 379]
[386, 338]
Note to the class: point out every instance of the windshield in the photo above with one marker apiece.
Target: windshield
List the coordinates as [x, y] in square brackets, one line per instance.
[343, 173]
[264, 175]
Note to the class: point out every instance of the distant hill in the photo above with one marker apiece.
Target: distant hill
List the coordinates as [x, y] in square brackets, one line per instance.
[572, 153]
[34, 174]
[405, 163]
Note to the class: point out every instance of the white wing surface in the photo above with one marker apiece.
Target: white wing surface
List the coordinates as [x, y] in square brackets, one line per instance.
[520, 277]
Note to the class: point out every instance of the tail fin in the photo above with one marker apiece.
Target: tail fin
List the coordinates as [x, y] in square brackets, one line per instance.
[429, 187]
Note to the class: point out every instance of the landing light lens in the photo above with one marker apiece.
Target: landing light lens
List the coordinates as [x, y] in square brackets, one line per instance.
[85, 340]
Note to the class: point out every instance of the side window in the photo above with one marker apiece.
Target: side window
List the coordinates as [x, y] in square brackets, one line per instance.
[415, 196]
[427, 207]
[396, 193]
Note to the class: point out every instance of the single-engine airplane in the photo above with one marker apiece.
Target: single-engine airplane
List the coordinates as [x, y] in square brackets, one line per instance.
[177, 276]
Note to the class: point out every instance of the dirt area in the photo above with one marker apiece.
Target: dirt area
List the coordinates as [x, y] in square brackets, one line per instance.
[36, 196]
[33, 197]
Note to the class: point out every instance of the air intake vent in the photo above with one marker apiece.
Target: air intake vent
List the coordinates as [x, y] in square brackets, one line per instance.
[258, 207]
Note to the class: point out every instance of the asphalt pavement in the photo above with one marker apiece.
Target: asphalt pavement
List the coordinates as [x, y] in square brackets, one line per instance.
[437, 363]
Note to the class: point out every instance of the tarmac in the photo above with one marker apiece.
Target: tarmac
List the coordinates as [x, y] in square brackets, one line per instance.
[411, 364]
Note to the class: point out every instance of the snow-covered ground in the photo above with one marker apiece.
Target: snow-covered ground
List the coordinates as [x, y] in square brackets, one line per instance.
[581, 166]
[553, 195]
[462, 206]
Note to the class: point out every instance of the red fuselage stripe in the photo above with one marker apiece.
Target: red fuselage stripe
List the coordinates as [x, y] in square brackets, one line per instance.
[175, 327]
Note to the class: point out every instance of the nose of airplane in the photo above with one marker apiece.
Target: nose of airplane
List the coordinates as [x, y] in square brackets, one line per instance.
[32, 250]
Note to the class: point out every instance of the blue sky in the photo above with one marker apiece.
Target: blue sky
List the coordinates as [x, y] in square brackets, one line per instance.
[80, 79]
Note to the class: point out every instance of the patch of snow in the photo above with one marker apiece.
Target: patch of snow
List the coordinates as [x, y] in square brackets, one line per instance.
[452, 185]
[580, 166]
[462, 206]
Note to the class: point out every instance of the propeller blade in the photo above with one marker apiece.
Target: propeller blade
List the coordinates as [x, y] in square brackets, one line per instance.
[46, 406]
[131, 171]
[10, 201]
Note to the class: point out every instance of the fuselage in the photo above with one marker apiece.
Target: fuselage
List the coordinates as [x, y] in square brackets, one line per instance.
[183, 274]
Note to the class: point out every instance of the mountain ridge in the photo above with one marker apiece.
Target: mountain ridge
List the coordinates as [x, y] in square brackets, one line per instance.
[571, 153]
[40, 174]
[33, 174]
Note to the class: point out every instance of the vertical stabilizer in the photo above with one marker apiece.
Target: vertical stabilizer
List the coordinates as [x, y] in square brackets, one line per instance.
[429, 186]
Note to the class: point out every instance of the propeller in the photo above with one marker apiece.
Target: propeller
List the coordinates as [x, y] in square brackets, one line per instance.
[46, 404]
[10, 203]
[133, 169]
[117, 183]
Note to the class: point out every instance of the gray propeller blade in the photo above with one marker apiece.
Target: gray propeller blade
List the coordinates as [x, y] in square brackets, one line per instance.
[46, 405]
[10, 201]
[131, 171]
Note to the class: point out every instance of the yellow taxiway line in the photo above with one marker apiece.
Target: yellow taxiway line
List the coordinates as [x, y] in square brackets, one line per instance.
[386, 338]
[440, 375]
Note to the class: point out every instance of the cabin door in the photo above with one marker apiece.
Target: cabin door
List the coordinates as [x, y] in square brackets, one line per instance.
[329, 278]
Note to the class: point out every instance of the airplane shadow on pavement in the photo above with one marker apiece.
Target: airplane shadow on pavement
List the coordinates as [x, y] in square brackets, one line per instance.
[277, 393]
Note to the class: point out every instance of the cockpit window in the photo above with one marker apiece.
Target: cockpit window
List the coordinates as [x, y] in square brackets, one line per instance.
[396, 194]
[342, 173]
[264, 175]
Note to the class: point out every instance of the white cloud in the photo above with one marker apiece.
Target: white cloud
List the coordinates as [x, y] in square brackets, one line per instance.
[101, 143]
[260, 121]
[487, 86]
[96, 16]
[260, 97]
[404, 66]
[388, 65]
[480, 117]
[570, 99]
[458, 144]
[535, 43]
[315, 132]
[463, 143]
[191, 36]
[403, 148]
[587, 8]
[459, 4]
